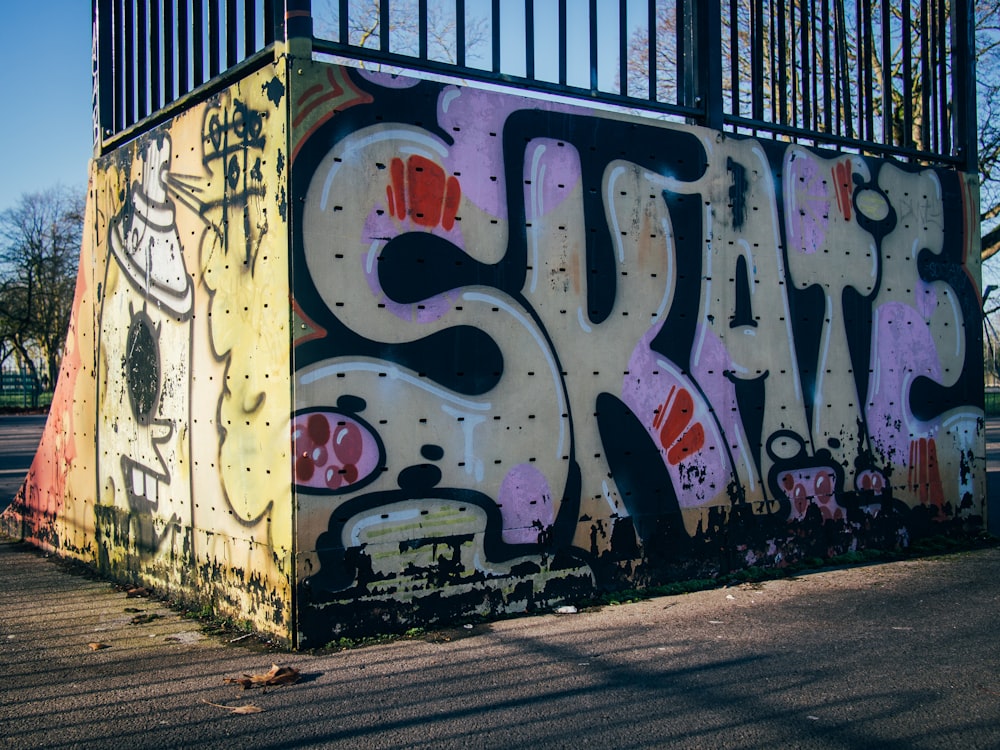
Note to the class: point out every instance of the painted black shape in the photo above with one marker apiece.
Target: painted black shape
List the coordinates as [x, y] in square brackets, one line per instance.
[416, 266]
[738, 192]
[743, 312]
[675, 339]
[807, 308]
[858, 321]
[351, 404]
[142, 368]
[432, 452]
[598, 141]
[419, 478]
[274, 89]
[339, 567]
[641, 477]
[750, 400]
[927, 398]
[462, 358]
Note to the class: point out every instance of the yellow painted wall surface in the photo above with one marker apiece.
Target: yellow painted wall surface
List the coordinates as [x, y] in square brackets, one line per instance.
[165, 458]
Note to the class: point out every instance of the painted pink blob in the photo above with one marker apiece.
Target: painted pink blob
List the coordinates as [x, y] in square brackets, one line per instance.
[525, 504]
[332, 450]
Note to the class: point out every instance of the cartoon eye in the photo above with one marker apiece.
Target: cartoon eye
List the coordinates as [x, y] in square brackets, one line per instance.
[142, 368]
[333, 451]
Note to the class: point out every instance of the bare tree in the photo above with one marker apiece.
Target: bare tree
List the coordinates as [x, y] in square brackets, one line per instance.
[39, 250]
[364, 27]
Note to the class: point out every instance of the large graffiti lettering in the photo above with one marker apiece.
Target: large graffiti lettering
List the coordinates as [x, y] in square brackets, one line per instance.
[594, 348]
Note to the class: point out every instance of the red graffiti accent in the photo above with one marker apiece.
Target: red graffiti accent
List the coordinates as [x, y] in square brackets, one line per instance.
[842, 184]
[812, 486]
[329, 450]
[924, 473]
[347, 443]
[678, 435]
[421, 191]
[871, 481]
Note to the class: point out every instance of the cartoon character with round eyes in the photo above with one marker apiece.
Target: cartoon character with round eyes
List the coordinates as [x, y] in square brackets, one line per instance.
[144, 378]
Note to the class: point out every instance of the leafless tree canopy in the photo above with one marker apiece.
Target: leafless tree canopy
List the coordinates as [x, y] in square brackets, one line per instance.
[39, 249]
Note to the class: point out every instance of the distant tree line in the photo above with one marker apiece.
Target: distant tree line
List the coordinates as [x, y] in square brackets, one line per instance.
[40, 240]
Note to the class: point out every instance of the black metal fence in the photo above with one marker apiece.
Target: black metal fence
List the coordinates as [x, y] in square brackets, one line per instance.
[871, 75]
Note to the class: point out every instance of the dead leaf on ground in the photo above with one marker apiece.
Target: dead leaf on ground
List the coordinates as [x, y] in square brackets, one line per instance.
[249, 708]
[137, 591]
[143, 619]
[95, 646]
[276, 676]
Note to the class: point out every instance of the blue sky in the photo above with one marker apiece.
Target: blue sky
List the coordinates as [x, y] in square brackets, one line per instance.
[45, 127]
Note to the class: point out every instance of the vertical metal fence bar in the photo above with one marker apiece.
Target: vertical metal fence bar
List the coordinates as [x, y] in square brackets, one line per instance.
[622, 45]
[794, 65]
[756, 59]
[846, 113]
[869, 68]
[943, 109]
[250, 27]
[709, 51]
[270, 22]
[383, 25]
[129, 63]
[805, 23]
[829, 87]
[141, 67]
[933, 84]
[422, 29]
[888, 135]
[214, 38]
[105, 68]
[772, 24]
[562, 43]
[815, 63]
[529, 38]
[183, 48]
[343, 20]
[495, 50]
[197, 43]
[155, 59]
[593, 45]
[651, 36]
[734, 57]
[925, 79]
[169, 50]
[460, 33]
[963, 68]
[782, 116]
[907, 41]
[231, 30]
[119, 64]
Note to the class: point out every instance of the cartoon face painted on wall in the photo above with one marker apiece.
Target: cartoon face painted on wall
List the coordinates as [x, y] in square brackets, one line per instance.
[144, 359]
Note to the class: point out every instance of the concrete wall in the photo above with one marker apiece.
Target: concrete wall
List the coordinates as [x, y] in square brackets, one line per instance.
[542, 349]
[352, 352]
[165, 458]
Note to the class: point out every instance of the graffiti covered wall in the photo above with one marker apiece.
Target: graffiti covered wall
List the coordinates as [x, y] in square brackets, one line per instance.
[352, 352]
[540, 349]
[164, 459]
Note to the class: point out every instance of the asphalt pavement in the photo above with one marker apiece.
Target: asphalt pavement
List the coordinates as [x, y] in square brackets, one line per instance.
[897, 655]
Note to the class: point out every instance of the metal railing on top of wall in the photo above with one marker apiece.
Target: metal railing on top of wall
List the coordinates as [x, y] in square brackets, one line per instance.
[867, 75]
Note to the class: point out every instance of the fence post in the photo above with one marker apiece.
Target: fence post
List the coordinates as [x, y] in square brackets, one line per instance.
[963, 32]
[709, 52]
[102, 65]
